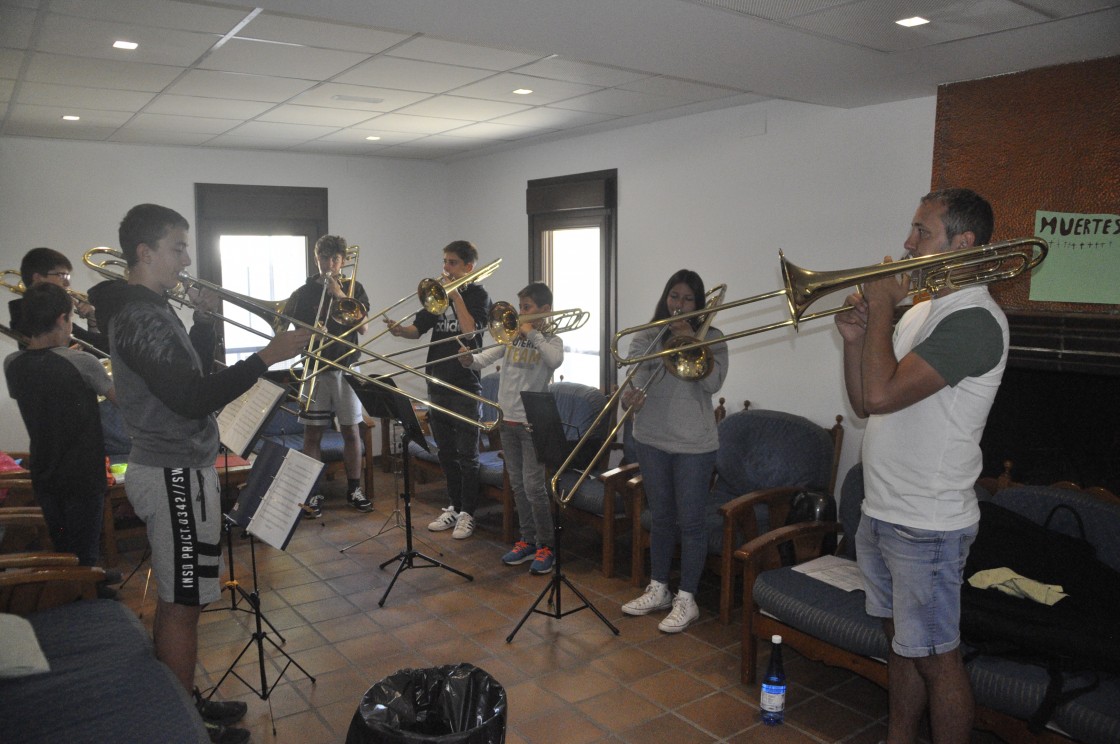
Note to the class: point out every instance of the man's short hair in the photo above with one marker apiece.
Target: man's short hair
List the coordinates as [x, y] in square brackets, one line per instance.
[965, 211]
[331, 245]
[42, 304]
[464, 249]
[538, 292]
[41, 261]
[146, 224]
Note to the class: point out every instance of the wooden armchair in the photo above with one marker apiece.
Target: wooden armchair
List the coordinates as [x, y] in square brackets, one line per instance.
[33, 578]
[765, 458]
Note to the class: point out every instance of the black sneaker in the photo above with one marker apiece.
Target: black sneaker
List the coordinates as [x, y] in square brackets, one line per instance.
[224, 735]
[223, 713]
[313, 509]
[358, 500]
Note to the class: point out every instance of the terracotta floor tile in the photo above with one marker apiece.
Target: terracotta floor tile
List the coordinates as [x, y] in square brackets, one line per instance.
[562, 726]
[720, 713]
[618, 710]
[672, 688]
[666, 728]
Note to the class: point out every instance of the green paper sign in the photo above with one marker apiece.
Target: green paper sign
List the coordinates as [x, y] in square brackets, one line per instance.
[1084, 260]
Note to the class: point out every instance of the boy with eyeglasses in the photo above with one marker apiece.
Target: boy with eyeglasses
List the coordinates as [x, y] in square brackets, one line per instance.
[41, 265]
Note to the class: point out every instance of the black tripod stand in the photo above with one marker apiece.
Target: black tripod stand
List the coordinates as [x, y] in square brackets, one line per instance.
[379, 399]
[552, 446]
[259, 635]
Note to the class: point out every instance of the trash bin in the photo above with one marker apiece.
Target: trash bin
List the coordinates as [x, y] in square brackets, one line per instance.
[453, 704]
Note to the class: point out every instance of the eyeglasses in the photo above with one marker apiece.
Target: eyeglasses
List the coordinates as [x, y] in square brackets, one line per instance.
[64, 275]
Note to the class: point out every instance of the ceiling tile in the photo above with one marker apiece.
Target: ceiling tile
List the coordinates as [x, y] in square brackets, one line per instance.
[6, 88]
[453, 107]
[491, 131]
[428, 49]
[356, 135]
[546, 117]
[280, 60]
[243, 142]
[83, 37]
[619, 102]
[16, 26]
[212, 84]
[278, 131]
[290, 114]
[154, 137]
[407, 123]
[220, 108]
[500, 88]
[681, 89]
[871, 23]
[10, 62]
[56, 130]
[99, 73]
[46, 94]
[572, 71]
[321, 34]
[337, 95]
[186, 16]
[408, 74]
[349, 149]
[192, 124]
[52, 116]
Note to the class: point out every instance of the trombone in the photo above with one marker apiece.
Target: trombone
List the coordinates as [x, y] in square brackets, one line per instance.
[19, 288]
[503, 324]
[684, 361]
[347, 312]
[267, 311]
[433, 296]
[947, 270]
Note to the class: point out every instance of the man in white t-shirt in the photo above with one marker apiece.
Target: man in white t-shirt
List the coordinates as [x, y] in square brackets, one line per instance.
[926, 386]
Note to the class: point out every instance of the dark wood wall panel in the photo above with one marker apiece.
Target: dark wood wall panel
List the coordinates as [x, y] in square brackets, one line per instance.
[1042, 139]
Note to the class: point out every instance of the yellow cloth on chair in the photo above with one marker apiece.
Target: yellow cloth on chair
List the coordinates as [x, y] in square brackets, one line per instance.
[1009, 582]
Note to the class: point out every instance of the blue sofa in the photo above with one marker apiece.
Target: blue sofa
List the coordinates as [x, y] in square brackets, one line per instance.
[827, 624]
[104, 685]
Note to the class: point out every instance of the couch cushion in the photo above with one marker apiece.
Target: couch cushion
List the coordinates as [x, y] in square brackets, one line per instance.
[491, 469]
[766, 449]
[105, 684]
[589, 498]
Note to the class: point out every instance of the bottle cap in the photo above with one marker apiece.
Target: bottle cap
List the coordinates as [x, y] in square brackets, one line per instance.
[775, 639]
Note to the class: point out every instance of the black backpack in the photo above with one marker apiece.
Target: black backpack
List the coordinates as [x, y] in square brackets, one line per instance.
[1077, 634]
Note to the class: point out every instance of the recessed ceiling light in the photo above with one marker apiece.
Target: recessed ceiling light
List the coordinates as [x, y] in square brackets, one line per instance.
[522, 91]
[71, 117]
[125, 45]
[911, 22]
[373, 138]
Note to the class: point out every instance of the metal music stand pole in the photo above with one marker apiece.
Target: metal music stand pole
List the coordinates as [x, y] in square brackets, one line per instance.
[381, 400]
[259, 637]
[548, 452]
[407, 557]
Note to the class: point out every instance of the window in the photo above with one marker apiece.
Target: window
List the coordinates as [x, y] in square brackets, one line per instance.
[572, 249]
[258, 242]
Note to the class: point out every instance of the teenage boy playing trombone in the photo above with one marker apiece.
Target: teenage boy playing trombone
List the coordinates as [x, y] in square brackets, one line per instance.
[331, 395]
[467, 311]
[46, 265]
[527, 364]
[168, 398]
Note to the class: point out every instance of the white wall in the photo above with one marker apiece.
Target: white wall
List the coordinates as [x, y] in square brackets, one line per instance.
[719, 192]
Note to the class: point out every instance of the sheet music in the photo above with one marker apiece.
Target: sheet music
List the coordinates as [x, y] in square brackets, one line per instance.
[279, 509]
[241, 419]
[839, 572]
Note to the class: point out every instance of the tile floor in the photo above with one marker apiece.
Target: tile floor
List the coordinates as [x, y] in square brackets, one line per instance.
[568, 680]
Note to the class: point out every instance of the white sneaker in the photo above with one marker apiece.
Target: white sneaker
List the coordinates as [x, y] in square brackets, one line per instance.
[656, 597]
[684, 612]
[444, 521]
[464, 526]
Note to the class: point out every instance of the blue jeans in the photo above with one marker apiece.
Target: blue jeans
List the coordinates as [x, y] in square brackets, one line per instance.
[914, 577]
[526, 478]
[676, 487]
[458, 449]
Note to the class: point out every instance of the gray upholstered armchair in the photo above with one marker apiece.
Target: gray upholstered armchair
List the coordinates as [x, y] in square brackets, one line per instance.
[765, 458]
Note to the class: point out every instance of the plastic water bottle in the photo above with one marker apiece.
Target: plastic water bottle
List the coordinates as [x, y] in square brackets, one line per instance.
[773, 701]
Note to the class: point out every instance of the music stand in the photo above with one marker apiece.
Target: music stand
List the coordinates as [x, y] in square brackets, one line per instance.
[552, 448]
[379, 397]
[263, 470]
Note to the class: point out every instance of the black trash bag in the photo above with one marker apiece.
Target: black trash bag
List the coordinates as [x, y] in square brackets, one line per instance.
[453, 704]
